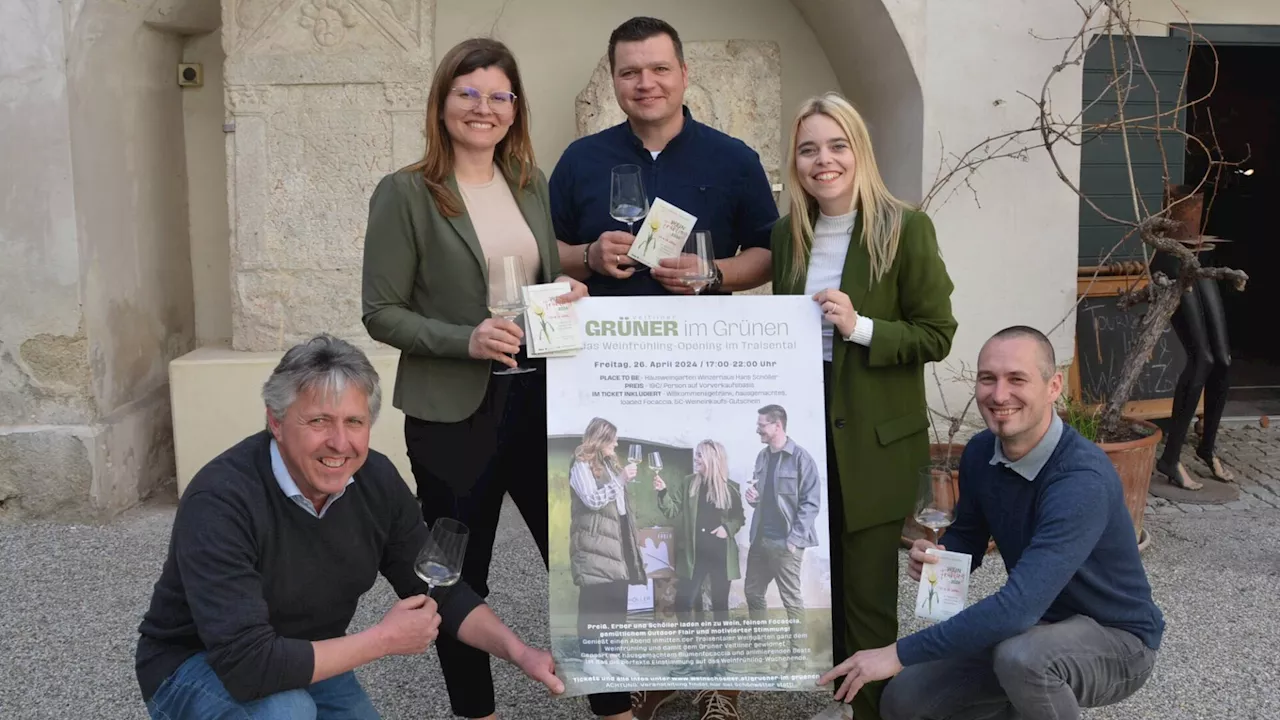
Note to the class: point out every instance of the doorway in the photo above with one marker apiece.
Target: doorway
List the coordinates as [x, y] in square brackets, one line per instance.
[1244, 113]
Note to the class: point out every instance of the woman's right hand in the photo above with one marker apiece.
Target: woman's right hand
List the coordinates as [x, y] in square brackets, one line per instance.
[495, 339]
[629, 470]
[918, 557]
[659, 484]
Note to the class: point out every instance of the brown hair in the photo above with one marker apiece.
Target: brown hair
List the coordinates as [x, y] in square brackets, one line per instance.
[599, 435]
[514, 153]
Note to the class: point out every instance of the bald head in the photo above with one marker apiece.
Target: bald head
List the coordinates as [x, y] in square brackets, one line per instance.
[1046, 360]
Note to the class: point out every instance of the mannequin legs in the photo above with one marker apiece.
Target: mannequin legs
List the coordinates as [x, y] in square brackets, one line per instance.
[1200, 324]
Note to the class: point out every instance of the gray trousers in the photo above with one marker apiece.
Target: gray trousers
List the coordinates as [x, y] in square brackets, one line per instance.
[1047, 673]
[770, 561]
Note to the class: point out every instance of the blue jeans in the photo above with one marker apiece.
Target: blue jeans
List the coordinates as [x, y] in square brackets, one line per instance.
[194, 692]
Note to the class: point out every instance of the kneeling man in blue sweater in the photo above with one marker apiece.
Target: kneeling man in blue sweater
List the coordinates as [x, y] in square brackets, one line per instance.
[1075, 625]
[274, 542]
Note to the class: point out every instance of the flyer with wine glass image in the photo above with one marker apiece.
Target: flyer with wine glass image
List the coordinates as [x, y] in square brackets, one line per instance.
[686, 452]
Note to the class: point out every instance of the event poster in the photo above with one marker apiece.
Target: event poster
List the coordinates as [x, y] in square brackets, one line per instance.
[688, 496]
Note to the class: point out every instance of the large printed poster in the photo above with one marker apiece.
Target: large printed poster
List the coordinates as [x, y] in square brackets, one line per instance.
[688, 496]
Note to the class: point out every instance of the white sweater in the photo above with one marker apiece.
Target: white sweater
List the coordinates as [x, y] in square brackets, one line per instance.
[831, 238]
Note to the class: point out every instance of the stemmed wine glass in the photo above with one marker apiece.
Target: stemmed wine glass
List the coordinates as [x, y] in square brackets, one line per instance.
[635, 455]
[627, 200]
[439, 562]
[699, 255]
[655, 462]
[935, 500]
[506, 278]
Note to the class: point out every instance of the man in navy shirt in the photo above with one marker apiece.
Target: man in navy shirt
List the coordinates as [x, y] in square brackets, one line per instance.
[703, 171]
[1075, 625]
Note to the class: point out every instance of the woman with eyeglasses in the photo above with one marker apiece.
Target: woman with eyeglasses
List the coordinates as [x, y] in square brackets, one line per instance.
[476, 195]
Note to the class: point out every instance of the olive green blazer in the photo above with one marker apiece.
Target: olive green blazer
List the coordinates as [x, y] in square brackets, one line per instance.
[878, 412]
[425, 288]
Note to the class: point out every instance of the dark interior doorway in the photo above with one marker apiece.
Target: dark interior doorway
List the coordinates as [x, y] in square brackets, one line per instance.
[1243, 207]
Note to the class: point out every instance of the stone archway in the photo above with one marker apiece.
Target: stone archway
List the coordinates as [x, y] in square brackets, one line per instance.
[876, 48]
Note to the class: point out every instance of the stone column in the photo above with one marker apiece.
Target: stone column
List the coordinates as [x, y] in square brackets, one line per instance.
[326, 96]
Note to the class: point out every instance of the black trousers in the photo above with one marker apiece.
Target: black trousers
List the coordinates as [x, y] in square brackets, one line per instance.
[710, 564]
[463, 471]
[604, 603]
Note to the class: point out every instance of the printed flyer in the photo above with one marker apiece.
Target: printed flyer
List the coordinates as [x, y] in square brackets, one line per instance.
[686, 451]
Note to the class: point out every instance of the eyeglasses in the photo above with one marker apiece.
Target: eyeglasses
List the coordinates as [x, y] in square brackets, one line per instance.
[469, 98]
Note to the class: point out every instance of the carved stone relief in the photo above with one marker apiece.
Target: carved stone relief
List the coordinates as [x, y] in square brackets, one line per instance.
[326, 97]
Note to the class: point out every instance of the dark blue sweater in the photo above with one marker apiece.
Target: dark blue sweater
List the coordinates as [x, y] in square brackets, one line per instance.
[1067, 541]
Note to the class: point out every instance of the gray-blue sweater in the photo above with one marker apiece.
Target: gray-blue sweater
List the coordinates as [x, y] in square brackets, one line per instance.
[1066, 538]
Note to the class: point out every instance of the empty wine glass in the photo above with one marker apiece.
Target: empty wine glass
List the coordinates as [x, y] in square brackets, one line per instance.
[439, 562]
[935, 499]
[627, 200]
[699, 266]
[506, 278]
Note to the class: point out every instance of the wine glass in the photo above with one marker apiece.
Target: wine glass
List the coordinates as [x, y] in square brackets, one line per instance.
[506, 278]
[655, 462]
[699, 257]
[439, 562]
[935, 499]
[635, 455]
[627, 200]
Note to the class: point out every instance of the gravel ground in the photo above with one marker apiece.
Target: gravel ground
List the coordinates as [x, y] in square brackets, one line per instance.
[72, 597]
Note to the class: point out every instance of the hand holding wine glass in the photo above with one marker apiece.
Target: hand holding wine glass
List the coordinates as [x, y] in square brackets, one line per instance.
[409, 627]
[506, 279]
[691, 271]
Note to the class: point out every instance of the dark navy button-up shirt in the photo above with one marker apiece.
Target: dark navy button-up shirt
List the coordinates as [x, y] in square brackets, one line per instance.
[713, 176]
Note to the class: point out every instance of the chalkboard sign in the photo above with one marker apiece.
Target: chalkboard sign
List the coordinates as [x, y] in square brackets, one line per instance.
[1104, 334]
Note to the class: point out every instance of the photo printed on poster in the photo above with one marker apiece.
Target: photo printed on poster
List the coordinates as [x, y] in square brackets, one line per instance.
[686, 451]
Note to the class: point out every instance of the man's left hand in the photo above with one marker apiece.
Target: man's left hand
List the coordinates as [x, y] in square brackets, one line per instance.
[670, 272]
[539, 665]
[577, 290]
[864, 667]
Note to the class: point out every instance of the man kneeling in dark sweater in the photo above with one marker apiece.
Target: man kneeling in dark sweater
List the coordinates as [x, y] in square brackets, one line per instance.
[274, 542]
[1075, 625]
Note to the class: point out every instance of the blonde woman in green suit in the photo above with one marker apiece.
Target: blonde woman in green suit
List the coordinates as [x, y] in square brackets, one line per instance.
[871, 262]
[470, 434]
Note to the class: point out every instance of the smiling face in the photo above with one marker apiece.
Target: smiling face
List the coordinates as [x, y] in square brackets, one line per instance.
[649, 80]
[323, 439]
[699, 467]
[482, 127]
[1013, 395]
[825, 164]
[768, 430]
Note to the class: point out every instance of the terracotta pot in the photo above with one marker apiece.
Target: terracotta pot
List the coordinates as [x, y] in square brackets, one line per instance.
[1134, 462]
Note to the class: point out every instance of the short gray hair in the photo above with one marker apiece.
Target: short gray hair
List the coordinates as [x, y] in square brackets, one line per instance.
[323, 363]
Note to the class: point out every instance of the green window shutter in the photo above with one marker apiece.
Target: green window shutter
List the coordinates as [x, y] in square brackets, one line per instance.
[1104, 175]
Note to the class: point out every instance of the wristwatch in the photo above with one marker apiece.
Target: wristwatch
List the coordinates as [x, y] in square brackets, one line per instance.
[714, 285]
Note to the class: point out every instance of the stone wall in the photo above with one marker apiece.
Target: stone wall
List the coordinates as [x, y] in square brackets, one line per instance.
[95, 285]
[326, 97]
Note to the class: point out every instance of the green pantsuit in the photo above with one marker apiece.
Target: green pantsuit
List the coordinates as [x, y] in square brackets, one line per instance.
[877, 422]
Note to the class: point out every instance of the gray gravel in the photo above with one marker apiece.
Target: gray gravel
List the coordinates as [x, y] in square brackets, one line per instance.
[72, 596]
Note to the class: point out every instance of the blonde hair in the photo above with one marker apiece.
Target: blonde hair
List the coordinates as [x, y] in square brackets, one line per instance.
[714, 475]
[881, 211]
[593, 451]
